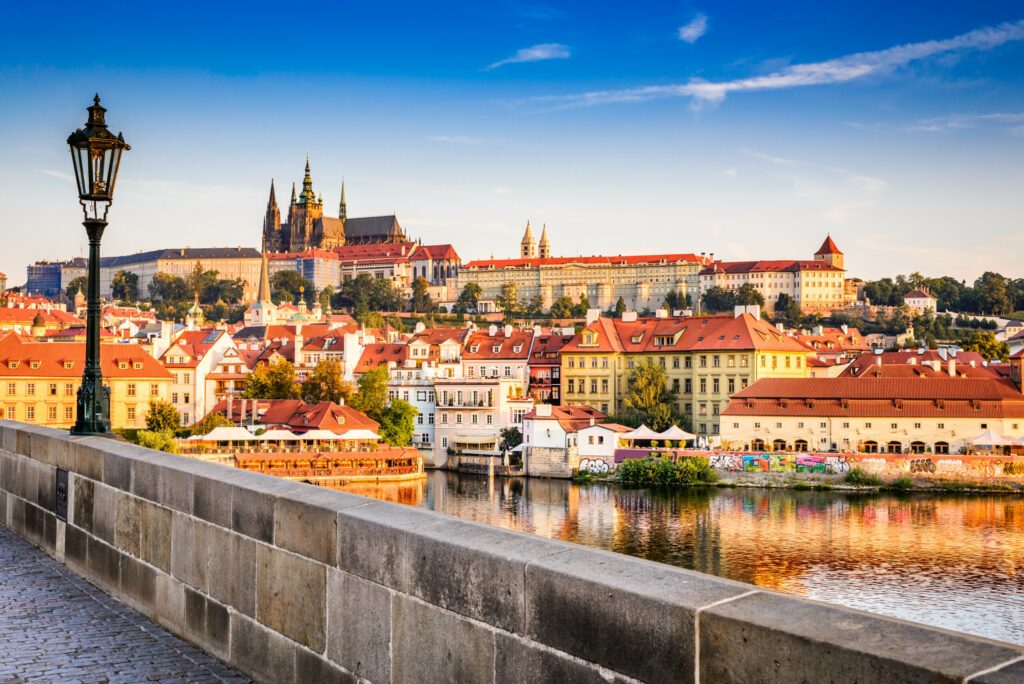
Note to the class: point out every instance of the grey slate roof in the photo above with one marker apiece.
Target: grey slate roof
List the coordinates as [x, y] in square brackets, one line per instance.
[188, 254]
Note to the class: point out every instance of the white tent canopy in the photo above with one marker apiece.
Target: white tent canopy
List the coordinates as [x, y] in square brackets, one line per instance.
[322, 435]
[224, 434]
[989, 438]
[278, 436]
[642, 432]
[676, 433]
[359, 434]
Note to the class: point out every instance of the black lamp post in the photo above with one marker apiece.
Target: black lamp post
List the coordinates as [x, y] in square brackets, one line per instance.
[96, 154]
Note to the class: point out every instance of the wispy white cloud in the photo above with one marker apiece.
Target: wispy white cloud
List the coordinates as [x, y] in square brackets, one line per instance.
[778, 161]
[731, 171]
[465, 139]
[535, 53]
[957, 121]
[56, 174]
[697, 27]
[840, 70]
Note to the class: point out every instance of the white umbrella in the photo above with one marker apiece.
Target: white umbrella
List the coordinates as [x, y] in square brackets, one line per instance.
[360, 434]
[277, 436]
[676, 433]
[642, 432]
[989, 438]
[318, 435]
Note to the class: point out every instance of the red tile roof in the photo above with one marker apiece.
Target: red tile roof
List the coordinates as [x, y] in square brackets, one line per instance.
[381, 354]
[571, 418]
[67, 359]
[296, 415]
[435, 252]
[828, 246]
[193, 345]
[917, 294]
[633, 260]
[881, 388]
[481, 346]
[781, 265]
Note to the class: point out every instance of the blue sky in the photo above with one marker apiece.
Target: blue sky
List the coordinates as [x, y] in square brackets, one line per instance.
[745, 129]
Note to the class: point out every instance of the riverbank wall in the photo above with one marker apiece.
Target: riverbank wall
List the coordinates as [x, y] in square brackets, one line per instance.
[293, 583]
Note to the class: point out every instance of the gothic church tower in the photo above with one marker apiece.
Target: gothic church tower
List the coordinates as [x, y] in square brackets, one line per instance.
[303, 215]
[528, 247]
[272, 223]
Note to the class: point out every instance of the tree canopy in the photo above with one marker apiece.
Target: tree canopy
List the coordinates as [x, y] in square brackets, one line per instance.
[124, 286]
[162, 416]
[275, 380]
[649, 400]
[326, 384]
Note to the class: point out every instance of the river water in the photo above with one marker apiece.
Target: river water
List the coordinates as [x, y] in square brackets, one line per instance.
[950, 561]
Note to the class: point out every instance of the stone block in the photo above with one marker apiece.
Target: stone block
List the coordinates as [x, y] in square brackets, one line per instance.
[28, 479]
[169, 609]
[117, 471]
[127, 522]
[770, 637]
[155, 534]
[9, 472]
[373, 540]
[232, 569]
[252, 513]
[309, 667]
[87, 455]
[76, 548]
[17, 515]
[519, 660]
[46, 485]
[43, 447]
[261, 653]
[629, 615]
[207, 623]
[138, 582]
[190, 550]
[23, 441]
[427, 639]
[82, 499]
[291, 596]
[211, 498]
[104, 565]
[175, 489]
[1009, 674]
[359, 625]
[104, 512]
[8, 436]
[145, 476]
[309, 526]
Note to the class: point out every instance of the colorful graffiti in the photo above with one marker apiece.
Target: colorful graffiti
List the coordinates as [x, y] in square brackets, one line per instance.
[595, 466]
[828, 463]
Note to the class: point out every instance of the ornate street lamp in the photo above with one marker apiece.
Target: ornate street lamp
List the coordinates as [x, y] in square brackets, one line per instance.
[96, 154]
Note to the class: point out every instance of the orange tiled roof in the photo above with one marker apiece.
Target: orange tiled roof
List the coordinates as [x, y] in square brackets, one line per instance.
[381, 354]
[481, 346]
[778, 265]
[828, 246]
[587, 261]
[25, 358]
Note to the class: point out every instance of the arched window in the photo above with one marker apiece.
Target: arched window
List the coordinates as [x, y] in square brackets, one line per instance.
[894, 448]
[942, 447]
[800, 445]
[757, 445]
[870, 447]
[779, 445]
[917, 447]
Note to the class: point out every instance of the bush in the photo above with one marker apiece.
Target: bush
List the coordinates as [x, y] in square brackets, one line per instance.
[861, 478]
[647, 472]
[902, 484]
[161, 441]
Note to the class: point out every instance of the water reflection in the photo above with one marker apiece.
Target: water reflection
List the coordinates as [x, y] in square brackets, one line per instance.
[955, 562]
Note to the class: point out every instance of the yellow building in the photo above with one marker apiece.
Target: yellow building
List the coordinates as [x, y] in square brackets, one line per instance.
[706, 360]
[39, 381]
[816, 285]
[940, 415]
[230, 263]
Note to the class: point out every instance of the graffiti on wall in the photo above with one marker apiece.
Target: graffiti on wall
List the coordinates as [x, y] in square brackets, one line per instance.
[594, 465]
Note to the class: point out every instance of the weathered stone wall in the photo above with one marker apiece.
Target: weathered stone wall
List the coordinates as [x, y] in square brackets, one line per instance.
[551, 461]
[288, 582]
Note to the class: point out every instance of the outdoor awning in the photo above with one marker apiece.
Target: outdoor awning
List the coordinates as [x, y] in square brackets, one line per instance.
[642, 432]
[322, 435]
[476, 439]
[517, 449]
[278, 436]
[225, 434]
[359, 434]
[677, 433]
[989, 438]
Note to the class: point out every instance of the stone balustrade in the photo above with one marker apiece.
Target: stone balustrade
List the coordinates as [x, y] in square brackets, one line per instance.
[289, 582]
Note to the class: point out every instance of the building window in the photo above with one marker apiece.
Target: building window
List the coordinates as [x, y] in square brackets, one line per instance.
[703, 361]
[52, 389]
[716, 361]
[130, 413]
[444, 442]
[703, 385]
[823, 425]
[69, 413]
[154, 390]
[187, 397]
[30, 413]
[917, 426]
[131, 389]
[593, 386]
[474, 419]
[688, 385]
[51, 413]
[69, 389]
[688, 362]
[715, 386]
[490, 419]
[458, 418]
[174, 397]
[30, 389]
[675, 362]
[867, 425]
[444, 419]
[11, 413]
[942, 426]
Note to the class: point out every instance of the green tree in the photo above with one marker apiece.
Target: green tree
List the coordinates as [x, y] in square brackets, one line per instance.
[161, 441]
[397, 422]
[511, 437]
[533, 306]
[272, 381]
[372, 395]
[209, 422]
[747, 294]
[124, 286]
[620, 307]
[162, 416]
[285, 287]
[72, 289]
[508, 299]
[169, 289]
[469, 299]
[371, 319]
[580, 308]
[218, 291]
[674, 301]
[649, 399]
[420, 301]
[718, 299]
[562, 307]
[985, 343]
[992, 293]
[326, 384]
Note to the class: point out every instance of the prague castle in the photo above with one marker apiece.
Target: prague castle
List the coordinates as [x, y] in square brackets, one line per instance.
[307, 227]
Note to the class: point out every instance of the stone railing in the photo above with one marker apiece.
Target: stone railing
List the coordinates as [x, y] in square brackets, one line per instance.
[289, 582]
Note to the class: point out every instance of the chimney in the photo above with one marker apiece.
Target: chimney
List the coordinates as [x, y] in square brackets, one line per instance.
[878, 359]
[508, 331]
[419, 327]
[593, 315]
[912, 360]
[492, 330]
[629, 316]
[661, 313]
[845, 328]
[543, 410]
[952, 368]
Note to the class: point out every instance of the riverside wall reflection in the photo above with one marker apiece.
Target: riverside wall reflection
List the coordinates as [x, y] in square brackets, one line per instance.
[955, 562]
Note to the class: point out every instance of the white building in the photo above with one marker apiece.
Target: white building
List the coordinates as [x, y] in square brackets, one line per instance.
[471, 414]
[919, 301]
[192, 356]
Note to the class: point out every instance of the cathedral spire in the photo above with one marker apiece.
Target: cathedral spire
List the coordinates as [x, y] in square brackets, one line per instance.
[293, 193]
[272, 202]
[342, 209]
[307, 186]
[264, 294]
[544, 246]
[528, 246]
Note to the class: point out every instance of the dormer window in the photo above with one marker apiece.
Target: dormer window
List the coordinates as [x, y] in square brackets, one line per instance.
[474, 348]
[12, 364]
[34, 364]
[517, 349]
[137, 365]
[69, 364]
[122, 365]
[496, 348]
[636, 339]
